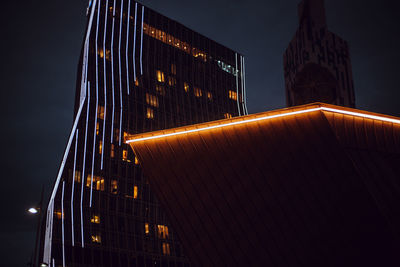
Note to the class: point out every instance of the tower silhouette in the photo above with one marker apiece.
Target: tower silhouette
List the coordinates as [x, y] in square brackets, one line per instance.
[317, 64]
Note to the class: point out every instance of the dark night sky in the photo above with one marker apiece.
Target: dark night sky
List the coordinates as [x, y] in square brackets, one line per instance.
[41, 41]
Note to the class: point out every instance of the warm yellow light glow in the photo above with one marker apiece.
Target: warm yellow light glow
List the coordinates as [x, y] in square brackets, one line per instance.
[173, 69]
[151, 100]
[100, 146]
[136, 161]
[171, 81]
[124, 155]
[227, 115]
[162, 231]
[186, 86]
[150, 113]
[78, 176]
[96, 239]
[249, 119]
[146, 228]
[160, 76]
[209, 95]
[114, 187]
[98, 182]
[95, 219]
[112, 153]
[135, 192]
[166, 249]
[232, 95]
[100, 112]
[173, 41]
[59, 214]
[198, 92]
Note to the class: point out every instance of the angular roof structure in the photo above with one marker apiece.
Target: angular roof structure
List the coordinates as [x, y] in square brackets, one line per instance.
[313, 185]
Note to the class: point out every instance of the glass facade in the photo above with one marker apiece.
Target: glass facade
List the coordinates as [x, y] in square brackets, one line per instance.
[139, 71]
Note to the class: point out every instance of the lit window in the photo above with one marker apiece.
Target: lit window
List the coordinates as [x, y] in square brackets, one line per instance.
[95, 219]
[150, 113]
[100, 146]
[101, 53]
[160, 89]
[209, 95]
[186, 87]
[114, 187]
[100, 112]
[112, 153]
[162, 231]
[146, 228]
[59, 214]
[96, 239]
[98, 182]
[227, 115]
[172, 41]
[198, 92]
[97, 128]
[166, 249]
[160, 76]
[151, 100]
[173, 69]
[124, 155]
[136, 161]
[171, 81]
[135, 192]
[232, 95]
[78, 176]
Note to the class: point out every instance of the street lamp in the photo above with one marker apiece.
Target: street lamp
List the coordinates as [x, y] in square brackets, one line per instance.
[33, 210]
[38, 212]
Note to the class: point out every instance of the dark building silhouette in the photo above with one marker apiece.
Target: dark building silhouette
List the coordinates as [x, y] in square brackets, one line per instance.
[317, 65]
[313, 185]
[139, 71]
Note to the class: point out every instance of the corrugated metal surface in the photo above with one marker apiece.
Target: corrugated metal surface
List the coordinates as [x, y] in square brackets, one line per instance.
[290, 191]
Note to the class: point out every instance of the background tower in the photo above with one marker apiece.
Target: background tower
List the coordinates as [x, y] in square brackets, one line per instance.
[317, 65]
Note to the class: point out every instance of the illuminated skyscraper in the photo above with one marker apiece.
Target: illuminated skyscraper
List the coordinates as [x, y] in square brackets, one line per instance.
[317, 63]
[139, 71]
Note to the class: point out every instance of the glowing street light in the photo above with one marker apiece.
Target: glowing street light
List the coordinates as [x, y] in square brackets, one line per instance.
[33, 210]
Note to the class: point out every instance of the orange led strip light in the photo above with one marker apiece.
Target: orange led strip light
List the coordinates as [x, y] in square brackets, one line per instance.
[351, 113]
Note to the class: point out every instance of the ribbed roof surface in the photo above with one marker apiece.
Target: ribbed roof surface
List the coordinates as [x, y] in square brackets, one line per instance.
[305, 186]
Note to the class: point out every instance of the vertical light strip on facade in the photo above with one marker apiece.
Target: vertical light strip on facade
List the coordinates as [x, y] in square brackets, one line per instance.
[112, 74]
[244, 87]
[73, 190]
[243, 101]
[237, 85]
[49, 223]
[84, 162]
[120, 76]
[141, 43]
[97, 105]
[127, 45]
[50, 208]
[105, 85]
[62, 223]
[134, 44]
